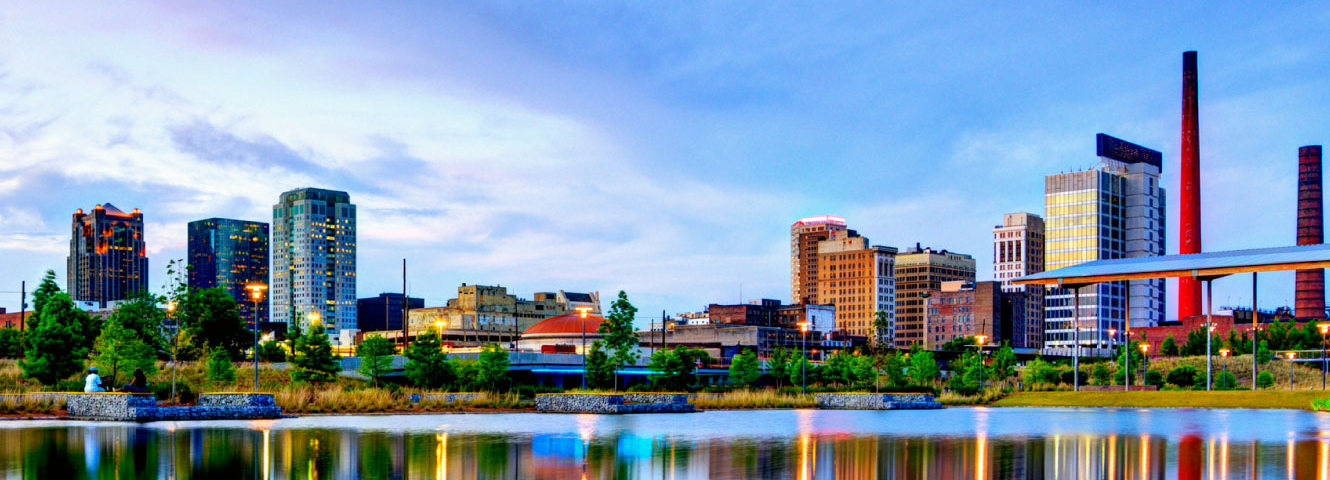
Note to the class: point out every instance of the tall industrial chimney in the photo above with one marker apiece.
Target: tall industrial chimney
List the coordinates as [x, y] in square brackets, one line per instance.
[1309, 294]
[1189, 290]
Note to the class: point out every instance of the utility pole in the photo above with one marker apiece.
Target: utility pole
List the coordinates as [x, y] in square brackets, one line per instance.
[22, 314]
[406, 307]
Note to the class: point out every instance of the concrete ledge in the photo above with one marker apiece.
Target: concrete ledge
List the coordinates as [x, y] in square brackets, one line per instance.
[655, 398]
[126, 407]
[876, 401]
[610, 403]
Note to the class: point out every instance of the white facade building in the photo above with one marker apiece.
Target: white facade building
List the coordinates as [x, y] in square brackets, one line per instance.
[314, 261]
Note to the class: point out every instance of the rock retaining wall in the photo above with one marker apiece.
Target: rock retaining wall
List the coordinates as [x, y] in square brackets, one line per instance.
[608, 403]
[142, 407]
[876, 401]
[443, 397]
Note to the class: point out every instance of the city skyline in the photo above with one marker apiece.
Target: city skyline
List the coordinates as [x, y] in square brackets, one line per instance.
[684, 197]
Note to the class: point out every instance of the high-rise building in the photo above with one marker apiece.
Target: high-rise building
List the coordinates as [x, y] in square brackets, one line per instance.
[804, 237]
[920, 270]
[314, 260]
[966, 309]
[1309, 290]
[1115, 210]
[108, 258]
[231, 254]
[1018, 250]
[384, 312]
[859, 280]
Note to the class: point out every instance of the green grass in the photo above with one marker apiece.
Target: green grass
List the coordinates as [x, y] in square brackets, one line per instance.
[1298, 399]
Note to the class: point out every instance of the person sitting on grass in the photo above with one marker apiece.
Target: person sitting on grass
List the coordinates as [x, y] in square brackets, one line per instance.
[93, 382]
[139, 385]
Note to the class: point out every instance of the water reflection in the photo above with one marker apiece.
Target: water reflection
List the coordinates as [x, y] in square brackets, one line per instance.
[954, 443]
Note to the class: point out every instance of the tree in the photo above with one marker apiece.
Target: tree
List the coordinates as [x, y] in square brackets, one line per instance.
[492, 368]
[1040, 371]
[220, 368]
[314, 361]
[958, 344]
[673, 368]
[779, 365]
[9, 346]
[1196, 343]
[45, 290]
[376, 357]
[1003, 363]
[1137, 358]
[1170, 347]
[893, 364]
[599, 367]
[965, 378]
[1183, 376]
[141, 315]
[1226, 381]
[271, 351]
[426, 364]
[54, 349]
[801, 371]
[118, 348]
[1263, 354]
[1265, 380]
[923, 369]
[744, 368]
[880, 325]
[211, 320]
[618, 333]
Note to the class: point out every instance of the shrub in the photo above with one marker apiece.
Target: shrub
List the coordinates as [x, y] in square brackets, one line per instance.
[1100, 374]
[1183, 376]
[1226, 381]
[220, 368]
[1039, 371]
[1153, 377]
[1265, 380]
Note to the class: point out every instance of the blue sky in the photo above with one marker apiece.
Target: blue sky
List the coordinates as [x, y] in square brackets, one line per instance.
[651, 147]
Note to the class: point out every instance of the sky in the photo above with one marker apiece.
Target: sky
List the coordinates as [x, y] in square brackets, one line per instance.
[658, 148]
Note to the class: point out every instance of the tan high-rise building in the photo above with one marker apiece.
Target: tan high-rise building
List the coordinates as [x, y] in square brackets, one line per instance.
[1018, 250]
[804, 237]
[918, 271]
[859, 280]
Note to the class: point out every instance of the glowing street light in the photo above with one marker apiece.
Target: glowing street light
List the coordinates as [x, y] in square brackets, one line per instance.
[1145, 361]
[1223, 353]
[1325, 327]
[1291, 356]
[979, 341]
[803, 366]
[582, 313]
[256, 294]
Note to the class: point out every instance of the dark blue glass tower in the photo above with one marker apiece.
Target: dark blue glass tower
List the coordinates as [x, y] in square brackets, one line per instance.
[230, 254]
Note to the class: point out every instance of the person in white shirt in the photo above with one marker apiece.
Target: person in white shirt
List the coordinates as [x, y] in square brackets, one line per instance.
[93, 383]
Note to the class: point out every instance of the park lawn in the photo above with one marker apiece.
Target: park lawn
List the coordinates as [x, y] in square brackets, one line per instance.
[1300, 400]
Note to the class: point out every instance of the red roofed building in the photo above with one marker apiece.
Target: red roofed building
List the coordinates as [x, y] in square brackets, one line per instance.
[561, 333]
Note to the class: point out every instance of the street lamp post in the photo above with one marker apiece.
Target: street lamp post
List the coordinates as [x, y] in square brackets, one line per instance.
[803, 366]
[1113, 346]
[256, 294]
[582, 312]
[980, 340]
[1209, 334]
[1145, 361]
[1291, 356]
[175, 345]
[1223, 353]
[1325, 327]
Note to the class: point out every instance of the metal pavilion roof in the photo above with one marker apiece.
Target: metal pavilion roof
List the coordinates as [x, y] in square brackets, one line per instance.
[1199, 265]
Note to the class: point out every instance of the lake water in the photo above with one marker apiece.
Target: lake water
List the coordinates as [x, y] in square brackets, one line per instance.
[949, 443]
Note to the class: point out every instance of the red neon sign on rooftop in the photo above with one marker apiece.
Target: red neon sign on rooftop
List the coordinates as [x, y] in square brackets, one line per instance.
[820, 220]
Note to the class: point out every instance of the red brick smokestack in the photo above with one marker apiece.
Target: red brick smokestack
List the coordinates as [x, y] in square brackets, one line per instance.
[1310, 284]
[1189, 290]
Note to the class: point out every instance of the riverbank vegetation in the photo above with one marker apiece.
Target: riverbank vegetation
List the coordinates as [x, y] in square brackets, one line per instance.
[1301, 400]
